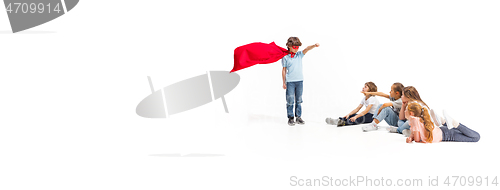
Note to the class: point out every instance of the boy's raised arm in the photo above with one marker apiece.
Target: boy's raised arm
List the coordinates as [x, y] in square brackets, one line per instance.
[310, 48]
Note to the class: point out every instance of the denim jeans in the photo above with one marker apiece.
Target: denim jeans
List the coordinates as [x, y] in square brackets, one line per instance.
[402, 125]
[388, 115]
[459, 134]
[294, 95]
[367, 118]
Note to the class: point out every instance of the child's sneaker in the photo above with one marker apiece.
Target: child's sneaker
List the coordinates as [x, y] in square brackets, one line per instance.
[340, 123]
[450, 122]
[300, 121]
[331, 121]
[291, 122]
[406, 132]
[392, 129]
[370, 127]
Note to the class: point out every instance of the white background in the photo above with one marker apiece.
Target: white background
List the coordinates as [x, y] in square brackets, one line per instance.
[69, 89]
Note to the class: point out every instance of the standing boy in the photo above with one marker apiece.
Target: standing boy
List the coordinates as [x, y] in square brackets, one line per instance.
[293, 78]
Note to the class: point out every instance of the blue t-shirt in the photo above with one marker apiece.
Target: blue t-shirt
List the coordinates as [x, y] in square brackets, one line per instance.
[293, 67]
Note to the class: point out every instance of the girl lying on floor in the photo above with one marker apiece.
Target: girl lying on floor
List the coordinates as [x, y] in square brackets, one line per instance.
[423, 130]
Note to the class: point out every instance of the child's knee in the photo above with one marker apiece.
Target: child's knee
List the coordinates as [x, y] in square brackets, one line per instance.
[289, 100]
[386, 109]
[299, 100]
[476, 138]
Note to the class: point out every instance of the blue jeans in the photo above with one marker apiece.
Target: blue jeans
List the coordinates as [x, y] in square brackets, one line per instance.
[459, 134]
[367, 118]
[388, 115]
[402, 125]
[294, 95]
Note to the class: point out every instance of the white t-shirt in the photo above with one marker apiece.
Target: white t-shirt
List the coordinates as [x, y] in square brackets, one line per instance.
[371, 101]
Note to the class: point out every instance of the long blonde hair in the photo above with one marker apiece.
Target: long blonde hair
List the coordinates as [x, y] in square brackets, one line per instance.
[411, 93]
[423, 113]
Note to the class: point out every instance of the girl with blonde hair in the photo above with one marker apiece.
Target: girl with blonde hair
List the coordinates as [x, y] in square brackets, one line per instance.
[423, 130]
[410, 95]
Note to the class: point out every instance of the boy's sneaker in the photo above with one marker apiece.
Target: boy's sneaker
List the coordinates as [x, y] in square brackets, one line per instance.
[291, 122]
[300, 121]
[331, 121]
[370, 127]
[392, 129]
[406, 132]
[340, 123]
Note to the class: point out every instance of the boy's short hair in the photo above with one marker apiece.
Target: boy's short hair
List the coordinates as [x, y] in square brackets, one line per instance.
[293, 41]
[371, 87]
[398, 87]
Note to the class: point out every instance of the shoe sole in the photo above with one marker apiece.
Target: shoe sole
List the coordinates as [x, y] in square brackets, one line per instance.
[406, 134]
[372, 129]
[389, 129]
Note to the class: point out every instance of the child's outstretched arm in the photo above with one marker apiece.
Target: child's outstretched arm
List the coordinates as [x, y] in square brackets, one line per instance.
[310, 48]
[377, 94]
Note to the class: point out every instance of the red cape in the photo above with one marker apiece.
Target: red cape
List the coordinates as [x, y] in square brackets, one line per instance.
[257, 53]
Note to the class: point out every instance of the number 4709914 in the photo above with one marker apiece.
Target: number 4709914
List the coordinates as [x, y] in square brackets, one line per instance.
[470, 181]
[32, 8]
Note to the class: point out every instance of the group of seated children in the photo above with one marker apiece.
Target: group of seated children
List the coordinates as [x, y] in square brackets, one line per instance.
[407, 114]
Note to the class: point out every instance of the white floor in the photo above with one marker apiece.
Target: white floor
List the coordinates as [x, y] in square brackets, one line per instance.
[69, 90]
[248, 148]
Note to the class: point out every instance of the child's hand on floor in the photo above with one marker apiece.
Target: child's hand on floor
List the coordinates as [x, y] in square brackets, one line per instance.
[409, 140]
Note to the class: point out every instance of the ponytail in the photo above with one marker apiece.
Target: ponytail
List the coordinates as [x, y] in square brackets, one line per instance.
[429, 125]
[425, 118]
